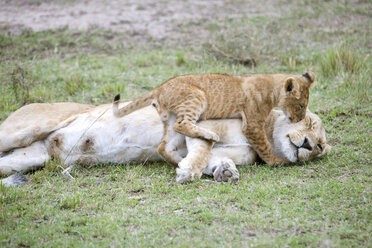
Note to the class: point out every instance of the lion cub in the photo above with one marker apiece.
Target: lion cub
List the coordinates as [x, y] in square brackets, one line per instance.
[183, 100]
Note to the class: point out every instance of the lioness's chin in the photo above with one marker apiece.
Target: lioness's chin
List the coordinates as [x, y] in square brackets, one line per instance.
[304, 154]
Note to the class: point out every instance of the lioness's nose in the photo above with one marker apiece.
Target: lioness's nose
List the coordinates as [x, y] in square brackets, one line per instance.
[306, 144]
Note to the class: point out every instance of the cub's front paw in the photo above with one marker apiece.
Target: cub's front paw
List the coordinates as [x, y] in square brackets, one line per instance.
[183, 176]
[278, 161]
[226, 172]
[211, 136]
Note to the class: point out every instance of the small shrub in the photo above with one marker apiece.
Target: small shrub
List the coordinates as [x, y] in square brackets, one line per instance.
[20, 86]
[237, 49]
[74, 83]
[341, 59]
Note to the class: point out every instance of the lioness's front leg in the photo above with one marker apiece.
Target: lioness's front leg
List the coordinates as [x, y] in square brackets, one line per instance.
[255, 133]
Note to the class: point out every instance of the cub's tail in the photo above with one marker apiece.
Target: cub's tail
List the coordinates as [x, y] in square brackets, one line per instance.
[14, 180]
[141, 102]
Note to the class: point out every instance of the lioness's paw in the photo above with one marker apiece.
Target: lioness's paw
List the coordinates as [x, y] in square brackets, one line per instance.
[226, 172]
[5, 170]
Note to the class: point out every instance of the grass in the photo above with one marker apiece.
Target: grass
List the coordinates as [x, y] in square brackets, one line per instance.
[321, 203]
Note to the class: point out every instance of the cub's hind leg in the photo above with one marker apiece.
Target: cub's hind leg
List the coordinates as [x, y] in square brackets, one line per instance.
[171, 140]
[188, 113]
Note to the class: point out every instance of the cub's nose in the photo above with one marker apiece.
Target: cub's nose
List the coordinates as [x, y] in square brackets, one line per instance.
[294, 118]
[306, 144]
[298, 118]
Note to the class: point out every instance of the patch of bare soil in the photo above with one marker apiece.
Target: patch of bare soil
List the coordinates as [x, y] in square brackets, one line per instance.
[146, 20]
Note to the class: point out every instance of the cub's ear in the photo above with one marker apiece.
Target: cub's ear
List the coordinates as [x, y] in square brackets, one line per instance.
[291, 87]
[310, 77]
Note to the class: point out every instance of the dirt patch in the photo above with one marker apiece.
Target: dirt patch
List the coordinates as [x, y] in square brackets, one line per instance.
[145, 20]
[345, 114]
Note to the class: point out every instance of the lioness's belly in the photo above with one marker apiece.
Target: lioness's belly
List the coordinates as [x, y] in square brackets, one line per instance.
[96, 138]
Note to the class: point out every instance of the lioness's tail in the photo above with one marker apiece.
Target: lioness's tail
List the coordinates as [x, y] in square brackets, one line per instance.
[141, 102]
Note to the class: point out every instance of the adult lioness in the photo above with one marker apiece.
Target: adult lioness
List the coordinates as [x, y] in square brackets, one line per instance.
[96, 136]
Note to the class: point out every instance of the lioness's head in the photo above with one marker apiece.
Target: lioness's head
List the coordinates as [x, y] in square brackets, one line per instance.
[303, 140]
[294, 101]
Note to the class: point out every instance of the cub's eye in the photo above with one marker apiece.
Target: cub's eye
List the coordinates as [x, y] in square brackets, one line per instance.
[302, 106]
[320, 146]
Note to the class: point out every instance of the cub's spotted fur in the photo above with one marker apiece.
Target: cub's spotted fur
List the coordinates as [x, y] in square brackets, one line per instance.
[183, 100]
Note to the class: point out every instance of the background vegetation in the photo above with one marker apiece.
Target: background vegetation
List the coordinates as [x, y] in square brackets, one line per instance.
[322, 203]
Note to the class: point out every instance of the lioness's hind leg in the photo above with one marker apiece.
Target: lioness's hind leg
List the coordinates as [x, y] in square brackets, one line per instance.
[170, 141]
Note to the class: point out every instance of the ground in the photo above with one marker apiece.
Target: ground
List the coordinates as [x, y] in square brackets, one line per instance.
[88, 51]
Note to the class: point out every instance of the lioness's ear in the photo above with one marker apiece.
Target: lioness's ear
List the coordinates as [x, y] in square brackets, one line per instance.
[291, 87]
[310, 77]
[308, 121]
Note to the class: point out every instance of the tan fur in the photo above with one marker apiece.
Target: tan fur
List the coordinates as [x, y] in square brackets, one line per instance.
[216, 96]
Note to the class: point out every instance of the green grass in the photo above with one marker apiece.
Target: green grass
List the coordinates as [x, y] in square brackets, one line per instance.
[322, 203]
